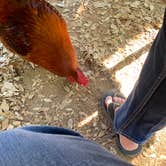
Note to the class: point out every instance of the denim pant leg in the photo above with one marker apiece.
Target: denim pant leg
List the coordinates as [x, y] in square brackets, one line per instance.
[144, 111]
[52, 146]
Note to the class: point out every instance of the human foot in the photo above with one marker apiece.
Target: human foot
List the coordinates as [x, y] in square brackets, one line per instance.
[126, 143]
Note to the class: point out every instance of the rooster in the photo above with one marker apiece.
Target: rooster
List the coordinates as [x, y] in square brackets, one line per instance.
[36, 31]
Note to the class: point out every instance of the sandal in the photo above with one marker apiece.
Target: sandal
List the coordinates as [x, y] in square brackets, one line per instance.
[128, 153]
[109, 112]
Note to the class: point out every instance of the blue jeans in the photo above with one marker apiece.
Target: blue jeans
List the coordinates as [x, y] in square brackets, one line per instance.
[144, 112]
[51, 146]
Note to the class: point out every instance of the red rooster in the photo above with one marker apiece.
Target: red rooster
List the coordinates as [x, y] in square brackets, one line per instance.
[35, 30]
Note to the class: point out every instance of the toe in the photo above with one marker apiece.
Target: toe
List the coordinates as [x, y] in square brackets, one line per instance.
[118, 100]
[108, 101]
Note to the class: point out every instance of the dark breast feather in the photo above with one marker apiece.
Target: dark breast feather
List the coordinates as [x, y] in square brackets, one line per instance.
[16, 32]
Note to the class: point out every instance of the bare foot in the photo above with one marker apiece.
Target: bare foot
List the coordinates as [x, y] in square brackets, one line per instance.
[125, 142]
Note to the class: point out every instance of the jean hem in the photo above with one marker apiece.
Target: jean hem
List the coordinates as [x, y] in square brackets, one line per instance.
[138, 141]
[133, 117]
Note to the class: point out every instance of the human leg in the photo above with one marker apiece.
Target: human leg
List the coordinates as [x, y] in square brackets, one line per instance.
[144, 111]
[28, 146]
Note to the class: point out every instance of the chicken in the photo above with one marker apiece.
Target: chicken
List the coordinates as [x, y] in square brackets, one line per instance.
[35, 30]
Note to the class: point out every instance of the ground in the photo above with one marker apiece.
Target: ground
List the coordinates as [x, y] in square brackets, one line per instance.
[112, 39]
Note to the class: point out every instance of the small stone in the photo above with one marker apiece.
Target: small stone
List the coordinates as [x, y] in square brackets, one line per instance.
[9, 89]
[135, 4]
[95, 135]
[10, 127]
[32, 65]
[16, 123]
[36, 109]
[48, 100]
[100, 4]
[67, 89]
[151, 7]
[103, 126]
[28, 124]
[152, 155]
[145, 154]
[61, 4]
[31, 96]
[53, 106]
[69, 109]
[1, 117]
[101, 134]
[17, 78]
[4, 124]
[94, 124]
[70, 123]
[16, 108]
[4, 106]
